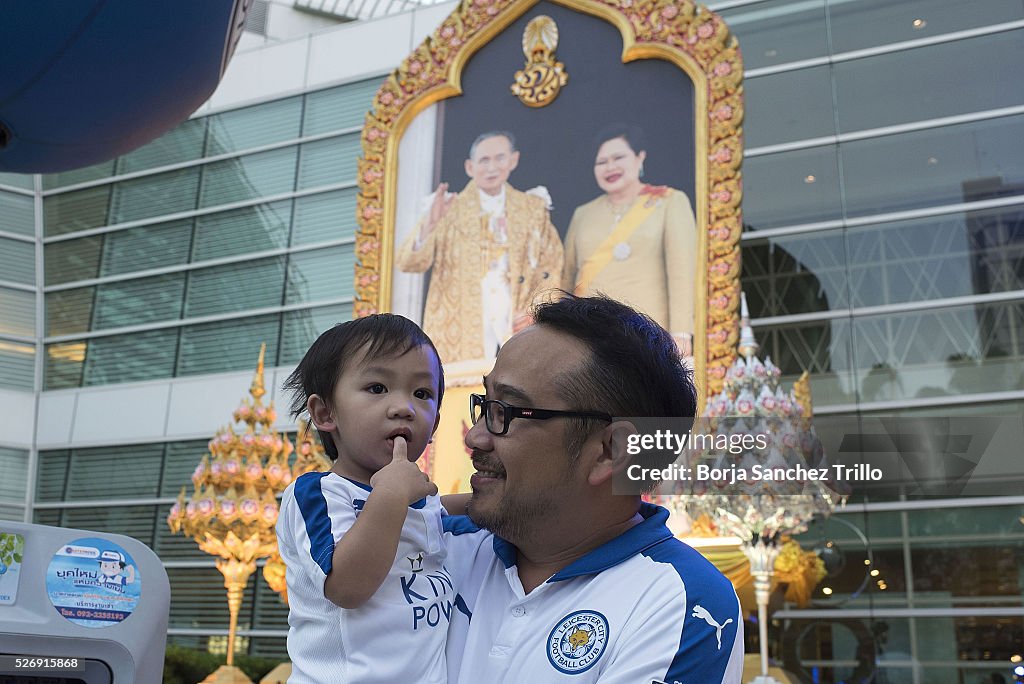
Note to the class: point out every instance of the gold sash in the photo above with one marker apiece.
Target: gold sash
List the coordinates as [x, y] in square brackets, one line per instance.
[603, 255]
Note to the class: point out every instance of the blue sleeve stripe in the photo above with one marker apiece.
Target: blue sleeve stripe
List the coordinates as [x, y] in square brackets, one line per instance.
[458, 524]
[313, 507]
[704, 648]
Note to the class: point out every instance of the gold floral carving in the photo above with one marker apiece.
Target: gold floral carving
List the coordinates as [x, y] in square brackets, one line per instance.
[679, 31]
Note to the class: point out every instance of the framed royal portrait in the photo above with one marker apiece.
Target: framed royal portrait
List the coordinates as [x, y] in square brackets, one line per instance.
[492, 162]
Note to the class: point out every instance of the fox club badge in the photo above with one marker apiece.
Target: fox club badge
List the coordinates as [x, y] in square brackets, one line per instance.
[577, 642]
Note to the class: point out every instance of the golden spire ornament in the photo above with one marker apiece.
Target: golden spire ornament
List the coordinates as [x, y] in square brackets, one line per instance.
[233, 507]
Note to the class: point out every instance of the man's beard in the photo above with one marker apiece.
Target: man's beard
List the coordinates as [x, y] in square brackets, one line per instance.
[515, 516]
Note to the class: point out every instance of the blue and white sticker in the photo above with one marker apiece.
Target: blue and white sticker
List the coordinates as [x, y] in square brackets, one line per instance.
[93, 582]
[578, 641]
[12, 546]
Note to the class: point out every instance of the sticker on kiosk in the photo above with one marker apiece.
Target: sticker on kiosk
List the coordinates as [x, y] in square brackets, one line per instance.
[12, 546]
[93, 582]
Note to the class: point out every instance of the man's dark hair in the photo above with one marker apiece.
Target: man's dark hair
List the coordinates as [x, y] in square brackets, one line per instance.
[493, 134]
[633, 135]
[633, 370]
[320, 369]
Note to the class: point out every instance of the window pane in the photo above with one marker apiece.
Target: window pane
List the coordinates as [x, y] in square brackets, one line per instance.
[78, 210]
[933, 167]
[327, 162]
[145, 247]
[164, 193]
[134, 302]
[227, 345]
[72, 260]
[17, 180]
[134, 521]
[867, 23]
[123, 472]
[242, 129]
[301, 328]
[791, 188]
[957, 350]
[18, 261]
[17, 365]
[17, 312]
[251, 177]
[69, 311]
[63, 365]
[52, 476]
[235, 287]
[794, 275]
[180, 144]
[930, 82]
[200, 600]
[130, 358]
[171, 546]
[793, 105]
[74, 176]
[16, 213]
[338, 108]
[778, 31]
[329, 216]
[321, 274]
[820, 347]
[240, 231]
[943, 256]
[179, 463]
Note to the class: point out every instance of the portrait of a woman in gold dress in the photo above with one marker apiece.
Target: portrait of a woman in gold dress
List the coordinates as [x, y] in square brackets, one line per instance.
[636, 242]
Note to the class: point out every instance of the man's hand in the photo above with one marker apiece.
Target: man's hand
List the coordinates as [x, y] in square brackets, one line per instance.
[438, 208]
[402, 478]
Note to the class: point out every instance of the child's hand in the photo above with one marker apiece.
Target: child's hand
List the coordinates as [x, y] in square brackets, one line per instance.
[402, 477]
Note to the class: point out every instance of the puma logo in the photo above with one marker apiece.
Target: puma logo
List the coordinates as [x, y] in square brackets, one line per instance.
[702, 613]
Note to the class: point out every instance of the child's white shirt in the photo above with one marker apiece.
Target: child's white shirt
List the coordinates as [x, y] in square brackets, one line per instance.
[399, 634]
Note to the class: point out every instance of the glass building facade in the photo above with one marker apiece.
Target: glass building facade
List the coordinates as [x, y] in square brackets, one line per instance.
[883, 252]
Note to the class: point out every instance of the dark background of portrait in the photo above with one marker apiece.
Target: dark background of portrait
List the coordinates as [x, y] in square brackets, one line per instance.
[556, 142]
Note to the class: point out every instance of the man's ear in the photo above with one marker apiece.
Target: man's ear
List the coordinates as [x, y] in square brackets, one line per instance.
[469, 168]
[513, 161]
[320, 412]
[613, 457]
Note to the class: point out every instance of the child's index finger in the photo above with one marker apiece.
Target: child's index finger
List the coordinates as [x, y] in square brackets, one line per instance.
[400, 450]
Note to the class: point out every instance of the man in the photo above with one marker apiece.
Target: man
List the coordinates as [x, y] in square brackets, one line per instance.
[559, 578]
[492, 248]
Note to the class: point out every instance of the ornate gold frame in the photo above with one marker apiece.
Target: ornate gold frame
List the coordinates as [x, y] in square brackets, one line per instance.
[679, 31]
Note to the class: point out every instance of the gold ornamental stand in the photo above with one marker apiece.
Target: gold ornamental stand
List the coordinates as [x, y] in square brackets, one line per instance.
[233, 507]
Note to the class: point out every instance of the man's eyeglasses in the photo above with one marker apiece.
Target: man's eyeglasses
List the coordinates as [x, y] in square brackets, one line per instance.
[498, 415]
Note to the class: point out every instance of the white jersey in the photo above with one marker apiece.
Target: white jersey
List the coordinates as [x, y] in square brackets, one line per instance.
[396, 636]
[643, 608]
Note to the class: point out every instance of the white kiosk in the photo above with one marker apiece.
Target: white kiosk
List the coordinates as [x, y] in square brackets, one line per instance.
[80, 607]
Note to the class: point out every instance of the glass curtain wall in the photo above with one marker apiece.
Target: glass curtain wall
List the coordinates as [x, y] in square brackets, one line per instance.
[884, 212]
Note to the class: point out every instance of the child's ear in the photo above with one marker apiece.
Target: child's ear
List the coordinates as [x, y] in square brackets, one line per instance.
[320, 412]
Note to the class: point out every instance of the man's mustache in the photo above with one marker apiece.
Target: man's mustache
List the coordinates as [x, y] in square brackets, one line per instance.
[483, 461]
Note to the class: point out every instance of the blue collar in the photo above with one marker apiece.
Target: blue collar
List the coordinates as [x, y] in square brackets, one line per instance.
[628, 544]
[419, 504]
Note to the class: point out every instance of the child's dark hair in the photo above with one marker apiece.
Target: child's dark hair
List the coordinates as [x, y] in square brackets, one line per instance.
[320, 369]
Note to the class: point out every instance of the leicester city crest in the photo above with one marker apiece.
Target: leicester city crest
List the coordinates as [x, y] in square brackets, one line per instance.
[577, 641]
